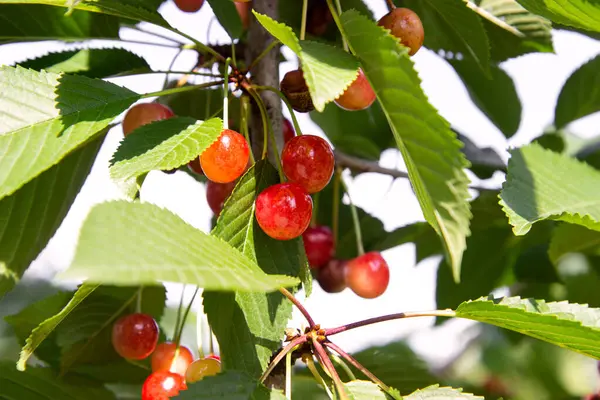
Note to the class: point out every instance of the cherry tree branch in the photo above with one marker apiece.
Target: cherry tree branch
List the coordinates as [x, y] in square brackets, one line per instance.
[298, 305]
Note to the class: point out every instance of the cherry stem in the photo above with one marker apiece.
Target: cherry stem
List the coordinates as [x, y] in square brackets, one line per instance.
[199, 330]
[315, 211]
[390, 4]
[168, 71]
[339, 10]
[138, 302]
[303, 24]
[263, 115]
[437, 313]
[294, 300]
[184, 317]
[226, 95]
[244, 110]
[200, 46]
[289, 347]
[288, 375]
[315, 372]
[357, 365]
[355, 220]
[179, 311]
[166, 81]
[155, 34]
[233, 54]
[287, 104]
[263, 53]
[344, 366]
[211, 345]
[338, 23]
[335, 213]
[328, 366]
[181, 89]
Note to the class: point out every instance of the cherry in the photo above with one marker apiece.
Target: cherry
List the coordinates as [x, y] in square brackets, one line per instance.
[166, 357]
[243, 9]
[319, 19]
[134, 336]
[318, 244]
[295, 89]
[358, 96]
[308, 160]
[406, 25]
[332, 276]
[217, 194]
[227, 158]
[202, 368]
[189, 6]
[162, 385]
[368, 275]
[195, 166]
[283, 211]
[145, 113]
[592, 397]
[214, 357]
[288, 130]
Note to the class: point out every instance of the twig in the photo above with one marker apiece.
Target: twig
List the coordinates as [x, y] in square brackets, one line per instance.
[289, 347]
[299, 305]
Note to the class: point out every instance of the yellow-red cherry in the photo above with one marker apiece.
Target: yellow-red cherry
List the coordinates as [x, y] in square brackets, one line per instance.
[332, 276]
[202, 368]
[189, 6]
[288, 130]
[227, 158]
[308, 161]
[358, 96]
[406, 25]
[318, 244]
[167, 357]
[134, 336]
[368, 275]
[217, 194]
[162, 385]
[283, 211]
[145, 113]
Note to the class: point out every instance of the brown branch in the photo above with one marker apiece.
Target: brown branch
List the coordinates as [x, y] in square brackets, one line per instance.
[298, 305]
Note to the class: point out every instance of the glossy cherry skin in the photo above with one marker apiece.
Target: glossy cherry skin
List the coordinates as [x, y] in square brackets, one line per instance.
[332, 276]
[358, 96]
[288, 130]
[308, 161]
[406, 25]
[202, 368]
[165, 358]
[195, 166]
[217, 194]
[134, 336]
[368, 275]
[283, 211]
[162, 385]
[295, 89]
[189, 6]
[243, 9]
[227, 158]
[318, 244]
[319, 18]
[144, 113]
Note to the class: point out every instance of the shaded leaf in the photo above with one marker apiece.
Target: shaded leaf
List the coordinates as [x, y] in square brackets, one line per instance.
[541, 184]
[582, 14]
[568, 238]
[230, 385]
[430, 150]
[365, 390]
[165, 249]
[441, 393]
[228, 17]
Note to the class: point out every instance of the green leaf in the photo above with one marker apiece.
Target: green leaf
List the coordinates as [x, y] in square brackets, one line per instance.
[328, 70]
[32, 214]
[496, 96]
[249, 326]
[93, 63]
[451, 27]
[580, 95]
[47, 116]
[230, 385]
[163, 145]
[142, 244]
[228, 17]
[572, 326]
[365, 390]
[131, 9]
[582, 14]
[39, 334]
[42, 384]
[23, 22]
[514, 31]
[568, 238]
[538, 187]
[430, 150]
[435, 392]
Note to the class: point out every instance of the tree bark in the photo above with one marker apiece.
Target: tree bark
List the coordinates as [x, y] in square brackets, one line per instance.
[265, 72]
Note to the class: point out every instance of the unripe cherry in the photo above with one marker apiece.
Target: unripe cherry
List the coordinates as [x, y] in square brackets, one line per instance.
[406, 25]
[358, 96]
[308, 161]
[283, 211]
[295, 89]
[368, 275]
[227, 158]
[134, 336]
[202, 368]
[145, 113]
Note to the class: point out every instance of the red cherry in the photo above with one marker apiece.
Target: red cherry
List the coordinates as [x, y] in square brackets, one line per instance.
[217, 194]
[227, 158]
[145, 113]
[368, 275]
[319, 19]
[318, 244]
[332, 276]
[189, 6]
[283, 211]
[358, 96]
[195, 166]
[214, 357]
[406, 25]
[165, 359]
[243, 9]
[134, 336]
[288, 130]
[308, 160]
[162, 385]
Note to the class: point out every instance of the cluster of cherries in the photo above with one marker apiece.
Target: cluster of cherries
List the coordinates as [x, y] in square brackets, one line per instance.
[135, 337]
[192, 6]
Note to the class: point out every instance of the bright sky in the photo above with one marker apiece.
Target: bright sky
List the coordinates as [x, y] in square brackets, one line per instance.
[538, 80]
